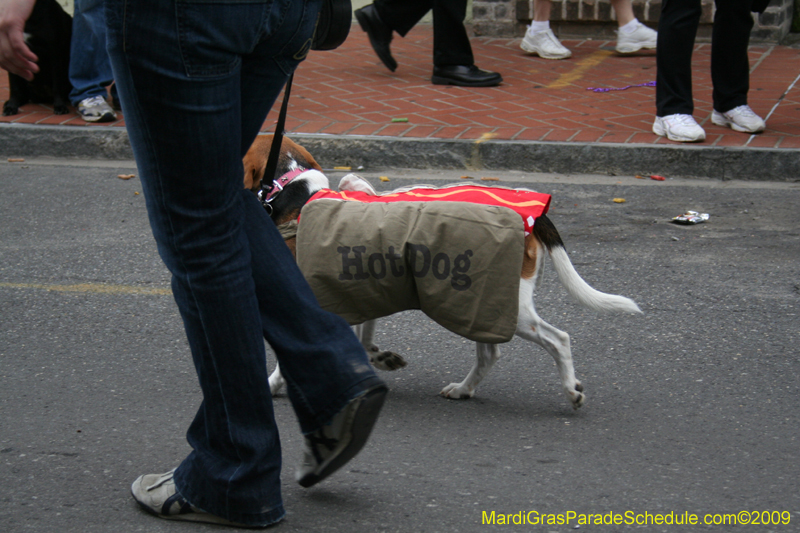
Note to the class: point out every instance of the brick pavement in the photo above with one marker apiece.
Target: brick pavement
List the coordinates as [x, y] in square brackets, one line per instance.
[349, 92]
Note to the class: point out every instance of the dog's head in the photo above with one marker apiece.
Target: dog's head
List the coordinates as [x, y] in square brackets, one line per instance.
[297, 177]
[292, 156]
[289, 193]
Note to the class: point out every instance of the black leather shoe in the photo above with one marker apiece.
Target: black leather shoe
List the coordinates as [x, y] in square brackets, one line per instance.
[465, 76]
[380, 35]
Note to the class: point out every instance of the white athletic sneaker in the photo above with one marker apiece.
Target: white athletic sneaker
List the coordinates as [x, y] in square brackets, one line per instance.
[681, 128]
[641, 37]
[740, 118]
[157, 494]
[96, 109]
[545, 44]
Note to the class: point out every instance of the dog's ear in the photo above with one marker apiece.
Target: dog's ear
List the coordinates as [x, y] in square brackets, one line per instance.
[353, 182]
[255, 162]
[299, 154]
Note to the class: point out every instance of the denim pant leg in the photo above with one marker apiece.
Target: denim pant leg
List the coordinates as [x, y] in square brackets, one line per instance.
[185, 134]
[322, 361]
[187, 73]
[89, 65]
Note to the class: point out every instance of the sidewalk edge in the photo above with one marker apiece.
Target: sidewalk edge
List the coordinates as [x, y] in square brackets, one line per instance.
[376, 152]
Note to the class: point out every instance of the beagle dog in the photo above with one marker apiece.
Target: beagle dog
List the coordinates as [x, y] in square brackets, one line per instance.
[288, 199]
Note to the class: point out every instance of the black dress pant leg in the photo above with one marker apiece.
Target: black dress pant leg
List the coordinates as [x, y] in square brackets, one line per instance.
[402, 15]
[451, 44]
[677, 29]
[730, 67]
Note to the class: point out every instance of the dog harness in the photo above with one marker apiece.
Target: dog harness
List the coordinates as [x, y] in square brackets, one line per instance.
[455, 253]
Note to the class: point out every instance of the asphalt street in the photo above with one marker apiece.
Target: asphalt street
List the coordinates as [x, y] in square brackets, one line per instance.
[690, 407]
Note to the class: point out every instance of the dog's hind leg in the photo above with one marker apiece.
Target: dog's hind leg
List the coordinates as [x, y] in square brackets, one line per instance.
[532, 328]
[276, 381]
[380, 359]
[487, 355]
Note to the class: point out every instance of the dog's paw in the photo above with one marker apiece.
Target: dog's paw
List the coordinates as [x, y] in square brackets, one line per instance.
[577, 397]
[385, 360]
[276, 383]
[457, 391]
[60, 110]
[10, 109]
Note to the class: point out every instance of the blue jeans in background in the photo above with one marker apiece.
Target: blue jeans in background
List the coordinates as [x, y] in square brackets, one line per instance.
[197, 80]
[89, 66]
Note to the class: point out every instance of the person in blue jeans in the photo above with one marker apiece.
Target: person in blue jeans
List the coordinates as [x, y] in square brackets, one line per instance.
[89, 65]
[196, 81]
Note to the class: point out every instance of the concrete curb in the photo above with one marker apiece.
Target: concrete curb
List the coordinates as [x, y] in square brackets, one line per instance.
[79, 142]
[375, 152]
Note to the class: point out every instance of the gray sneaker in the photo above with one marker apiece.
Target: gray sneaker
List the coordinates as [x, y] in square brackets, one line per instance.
[157, 494]
[330, 447]
[96, 109]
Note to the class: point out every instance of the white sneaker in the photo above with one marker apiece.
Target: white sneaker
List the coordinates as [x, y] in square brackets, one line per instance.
[740, 118]
[545, 44]
[96, 109]
[681, 128]
[157, 494]
[641, 37]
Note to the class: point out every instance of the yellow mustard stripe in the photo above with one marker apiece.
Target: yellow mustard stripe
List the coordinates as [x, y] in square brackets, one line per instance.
[453, 193]
[95, 288]
[594, 59]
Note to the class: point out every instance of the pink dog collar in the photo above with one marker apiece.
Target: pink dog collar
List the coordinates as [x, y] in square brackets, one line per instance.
[279, 184]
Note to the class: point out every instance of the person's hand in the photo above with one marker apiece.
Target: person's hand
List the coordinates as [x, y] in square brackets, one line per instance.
[15, 56]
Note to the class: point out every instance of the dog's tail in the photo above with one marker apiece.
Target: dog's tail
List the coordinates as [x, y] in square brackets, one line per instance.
[546, 233]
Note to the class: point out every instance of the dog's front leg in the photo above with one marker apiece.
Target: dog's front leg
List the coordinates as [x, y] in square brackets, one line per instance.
[380, 359]
[487, 354]
[19, 95]
[276, 380]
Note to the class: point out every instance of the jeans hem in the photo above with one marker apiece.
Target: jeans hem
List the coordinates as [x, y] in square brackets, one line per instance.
[358, 389]
[275, 514]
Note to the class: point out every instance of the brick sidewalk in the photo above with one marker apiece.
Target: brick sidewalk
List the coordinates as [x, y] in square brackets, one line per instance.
[349, 92]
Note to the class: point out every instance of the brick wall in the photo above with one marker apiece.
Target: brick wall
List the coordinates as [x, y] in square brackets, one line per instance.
[595, 18]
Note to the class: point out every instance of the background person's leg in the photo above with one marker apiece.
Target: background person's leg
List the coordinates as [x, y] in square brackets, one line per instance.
[451, 44]
[677, 29]
[730, 67]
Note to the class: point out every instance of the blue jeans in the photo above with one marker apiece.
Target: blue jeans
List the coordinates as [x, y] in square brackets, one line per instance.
[197, 80]
[89, 66]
